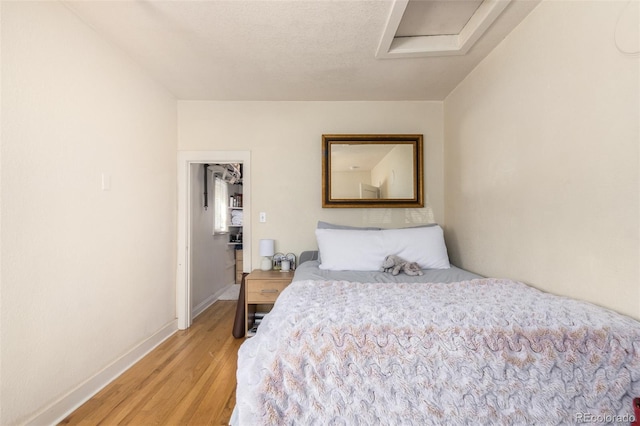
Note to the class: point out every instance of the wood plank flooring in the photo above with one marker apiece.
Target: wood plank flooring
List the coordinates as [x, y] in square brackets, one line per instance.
[188, 380]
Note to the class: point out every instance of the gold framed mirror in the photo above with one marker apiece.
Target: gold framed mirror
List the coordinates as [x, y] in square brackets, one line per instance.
[372, 171]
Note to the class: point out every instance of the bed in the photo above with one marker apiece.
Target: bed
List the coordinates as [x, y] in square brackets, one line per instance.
[362, 347]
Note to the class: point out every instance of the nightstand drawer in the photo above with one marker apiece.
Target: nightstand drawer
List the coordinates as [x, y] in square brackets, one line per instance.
[265, 291]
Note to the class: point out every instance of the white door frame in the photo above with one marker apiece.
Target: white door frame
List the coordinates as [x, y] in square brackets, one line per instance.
[185, 160]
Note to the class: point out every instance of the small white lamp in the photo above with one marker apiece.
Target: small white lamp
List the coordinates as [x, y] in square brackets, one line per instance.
[267, 249]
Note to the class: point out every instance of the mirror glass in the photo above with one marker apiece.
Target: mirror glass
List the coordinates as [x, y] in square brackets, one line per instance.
[372, 171]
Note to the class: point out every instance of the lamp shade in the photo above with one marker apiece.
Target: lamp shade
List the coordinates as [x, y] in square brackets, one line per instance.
[267, 247]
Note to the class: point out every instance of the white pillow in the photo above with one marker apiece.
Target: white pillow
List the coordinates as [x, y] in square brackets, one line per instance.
[349, 249]
[357, 250]
[424, 245]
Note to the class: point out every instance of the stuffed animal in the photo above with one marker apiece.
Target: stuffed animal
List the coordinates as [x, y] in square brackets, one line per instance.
[411, 268]
[394, 265]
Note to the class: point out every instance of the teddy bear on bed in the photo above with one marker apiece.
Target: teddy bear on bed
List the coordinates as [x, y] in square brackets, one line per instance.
[395, 264]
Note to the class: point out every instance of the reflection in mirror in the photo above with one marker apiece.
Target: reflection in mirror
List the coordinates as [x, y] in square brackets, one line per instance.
[369, 171]
[372, 171]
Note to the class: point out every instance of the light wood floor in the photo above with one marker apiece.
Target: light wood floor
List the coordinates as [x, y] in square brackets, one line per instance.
[188, 380]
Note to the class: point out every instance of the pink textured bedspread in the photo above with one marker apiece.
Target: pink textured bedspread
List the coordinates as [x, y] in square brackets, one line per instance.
[486, 351]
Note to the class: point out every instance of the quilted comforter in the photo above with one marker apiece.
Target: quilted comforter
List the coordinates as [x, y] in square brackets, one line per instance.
[486, 351]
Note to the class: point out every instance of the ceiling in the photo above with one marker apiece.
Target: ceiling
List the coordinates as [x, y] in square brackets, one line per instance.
[302, 50]
[357, 158]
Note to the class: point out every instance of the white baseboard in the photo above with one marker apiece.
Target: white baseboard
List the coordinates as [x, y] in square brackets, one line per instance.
[202, 306]
[60, 409]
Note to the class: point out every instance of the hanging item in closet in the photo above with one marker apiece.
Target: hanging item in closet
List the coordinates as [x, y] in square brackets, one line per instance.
[230, 173]
[206, 192]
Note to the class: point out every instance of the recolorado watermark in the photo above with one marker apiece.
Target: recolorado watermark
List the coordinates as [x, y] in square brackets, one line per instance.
[606, 418]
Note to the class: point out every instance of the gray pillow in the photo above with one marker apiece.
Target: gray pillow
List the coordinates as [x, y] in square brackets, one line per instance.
[426, 225]
[327, 225]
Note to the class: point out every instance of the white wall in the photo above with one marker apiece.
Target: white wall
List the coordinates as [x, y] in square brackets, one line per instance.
[541, 158]
[285, 143]
[394, 173]
[87, 274]
[347, 184]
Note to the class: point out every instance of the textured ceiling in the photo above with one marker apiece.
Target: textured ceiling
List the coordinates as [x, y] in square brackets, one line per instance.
[281, 49]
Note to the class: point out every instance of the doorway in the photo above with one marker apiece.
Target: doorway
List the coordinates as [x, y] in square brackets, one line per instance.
[183, 274]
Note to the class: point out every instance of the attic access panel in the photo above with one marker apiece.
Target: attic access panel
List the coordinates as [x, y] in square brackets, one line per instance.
[436, 28]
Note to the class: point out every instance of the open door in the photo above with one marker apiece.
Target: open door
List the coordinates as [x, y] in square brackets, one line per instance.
[369, 191]
[185, 160]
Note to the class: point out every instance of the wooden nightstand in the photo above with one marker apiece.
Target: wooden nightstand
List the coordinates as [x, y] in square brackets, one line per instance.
[262, 288]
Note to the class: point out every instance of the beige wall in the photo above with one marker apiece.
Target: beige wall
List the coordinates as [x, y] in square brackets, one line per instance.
[285, 143]
[541, 158]
[347, 184]
[86, 274]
